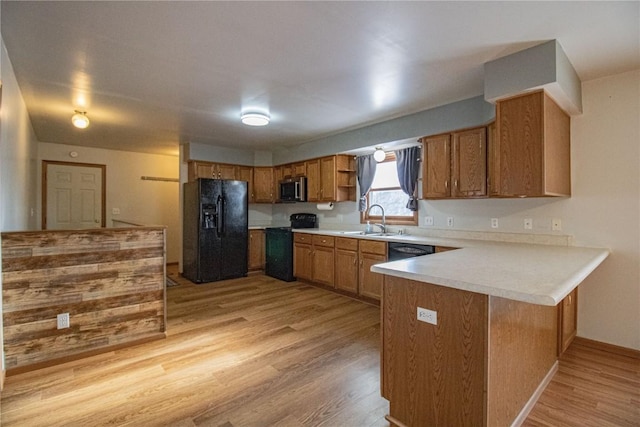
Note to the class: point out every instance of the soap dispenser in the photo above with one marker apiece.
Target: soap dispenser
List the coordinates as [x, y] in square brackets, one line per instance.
[367, 230]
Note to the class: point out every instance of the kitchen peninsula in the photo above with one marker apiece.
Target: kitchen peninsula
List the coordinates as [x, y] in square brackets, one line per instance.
[488, 343]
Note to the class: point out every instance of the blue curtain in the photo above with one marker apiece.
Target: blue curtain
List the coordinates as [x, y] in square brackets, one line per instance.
[366, 172]
[408, 165]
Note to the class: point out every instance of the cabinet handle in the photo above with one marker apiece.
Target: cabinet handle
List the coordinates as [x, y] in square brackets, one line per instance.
[569, 299]
[455, 183]
[446, 184]
[355, 260]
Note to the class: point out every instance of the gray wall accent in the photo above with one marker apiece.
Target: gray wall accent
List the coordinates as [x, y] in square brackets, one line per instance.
[542, 66]
[212, 153]
[466, 113]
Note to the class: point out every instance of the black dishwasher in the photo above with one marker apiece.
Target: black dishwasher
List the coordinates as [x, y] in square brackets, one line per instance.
[398, 250]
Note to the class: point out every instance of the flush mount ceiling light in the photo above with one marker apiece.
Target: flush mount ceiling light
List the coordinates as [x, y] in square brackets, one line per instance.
[80, 119]
[379, 155]
[255, 119]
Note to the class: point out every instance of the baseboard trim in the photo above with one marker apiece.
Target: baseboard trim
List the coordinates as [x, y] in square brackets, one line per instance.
[611, 348]
[81, 355]
[524, 413]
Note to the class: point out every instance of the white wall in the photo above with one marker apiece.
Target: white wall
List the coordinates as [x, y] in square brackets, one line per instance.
[144, 201]
[18, 151]
[17, 161]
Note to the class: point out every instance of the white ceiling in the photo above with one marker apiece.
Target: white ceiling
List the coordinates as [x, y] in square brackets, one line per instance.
[152, 75]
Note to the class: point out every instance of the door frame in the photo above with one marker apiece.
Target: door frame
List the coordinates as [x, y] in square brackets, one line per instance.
[103, 171]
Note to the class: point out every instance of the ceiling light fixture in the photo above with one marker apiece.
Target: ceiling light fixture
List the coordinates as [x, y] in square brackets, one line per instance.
[255, 119]
[80, 119]
[379, 155]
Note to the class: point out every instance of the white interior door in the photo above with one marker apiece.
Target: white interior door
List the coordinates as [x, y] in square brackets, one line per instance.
[73, 196]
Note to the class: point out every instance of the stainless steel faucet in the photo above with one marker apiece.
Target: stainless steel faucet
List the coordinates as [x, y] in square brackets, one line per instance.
[382, 226]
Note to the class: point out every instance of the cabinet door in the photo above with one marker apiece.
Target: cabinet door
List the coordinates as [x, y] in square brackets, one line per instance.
[493, 161]
[328, 179]
[346, 271]
[370, 283]
[436, 166]
[302, 261]
[323, 265]
[469, 163]
[263, 184]
[245, 173]
[278, 175]
[313, 180]
[567, 321]
[226, 171]
[520, 133]
[256, 250]
[299, 169]
[200, 170]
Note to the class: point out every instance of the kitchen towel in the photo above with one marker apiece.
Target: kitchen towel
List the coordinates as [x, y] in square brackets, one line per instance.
[325, 206]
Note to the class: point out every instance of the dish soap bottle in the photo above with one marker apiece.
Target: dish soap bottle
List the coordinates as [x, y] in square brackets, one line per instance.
[367, 230]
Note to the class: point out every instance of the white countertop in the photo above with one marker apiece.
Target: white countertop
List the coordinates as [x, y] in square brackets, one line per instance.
[538, 274]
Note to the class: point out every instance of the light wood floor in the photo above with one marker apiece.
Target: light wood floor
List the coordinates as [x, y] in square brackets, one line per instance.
[261, 352]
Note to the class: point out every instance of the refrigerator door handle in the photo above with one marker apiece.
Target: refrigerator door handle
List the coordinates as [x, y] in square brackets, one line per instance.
[220, 224]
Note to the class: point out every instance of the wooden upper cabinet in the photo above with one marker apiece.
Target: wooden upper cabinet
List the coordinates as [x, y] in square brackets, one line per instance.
[533, 148]
[328, 179]
[493, 161]
[198, 169]
[455, 164]
[263, 184]
[299, 169]
[245, 173]
[226, 171]
[313, 180]
[469, 163]
[331, 179]
[436, 166]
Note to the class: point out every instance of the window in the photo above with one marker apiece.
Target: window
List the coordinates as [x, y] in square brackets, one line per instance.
[386, 192]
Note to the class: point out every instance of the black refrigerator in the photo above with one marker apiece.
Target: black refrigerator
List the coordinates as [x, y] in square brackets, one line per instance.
[215, 230]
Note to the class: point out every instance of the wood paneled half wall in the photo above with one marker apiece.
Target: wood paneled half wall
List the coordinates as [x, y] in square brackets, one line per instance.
[110, 281]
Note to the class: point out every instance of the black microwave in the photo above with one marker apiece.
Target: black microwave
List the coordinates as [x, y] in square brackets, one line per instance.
[293, 190]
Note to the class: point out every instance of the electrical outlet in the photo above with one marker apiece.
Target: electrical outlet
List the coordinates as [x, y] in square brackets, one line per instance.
[450, 221]
[528, 224]
[494, 222]
[428, 220]
[63, 320]
[556, 224]
[115, 211]
[427, 316]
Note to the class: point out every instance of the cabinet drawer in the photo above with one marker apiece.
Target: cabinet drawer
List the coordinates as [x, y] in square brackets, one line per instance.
[372, 247]
[327, 241]
[302, 238]
[347, 243]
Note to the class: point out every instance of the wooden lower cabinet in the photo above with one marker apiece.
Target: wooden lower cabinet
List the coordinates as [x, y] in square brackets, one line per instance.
[313, 258]
[479, 365]
[256, 257]
[567, 321]
[340, 262]
[370, 253]
[346, 265]
[323, 260]
[302, 257]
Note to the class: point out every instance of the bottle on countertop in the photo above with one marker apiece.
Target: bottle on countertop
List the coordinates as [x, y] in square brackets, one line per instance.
[368, 228]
